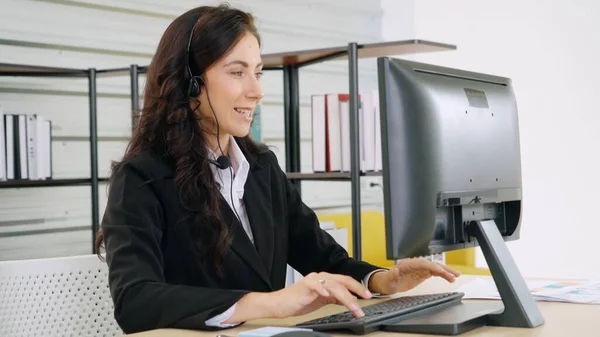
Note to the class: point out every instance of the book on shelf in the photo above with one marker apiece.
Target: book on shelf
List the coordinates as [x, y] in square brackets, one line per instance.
[25, 147]
[331, 136]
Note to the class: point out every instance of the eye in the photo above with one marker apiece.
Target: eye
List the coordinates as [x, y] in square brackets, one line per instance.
[259, 74]
[237, 73]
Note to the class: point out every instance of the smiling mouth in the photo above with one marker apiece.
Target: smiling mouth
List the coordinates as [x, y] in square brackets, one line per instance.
[245, 112]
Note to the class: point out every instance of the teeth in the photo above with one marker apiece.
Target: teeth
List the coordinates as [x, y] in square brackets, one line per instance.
[244, 111]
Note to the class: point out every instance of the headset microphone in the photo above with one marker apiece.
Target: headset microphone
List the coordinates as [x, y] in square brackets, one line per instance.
[222, 162]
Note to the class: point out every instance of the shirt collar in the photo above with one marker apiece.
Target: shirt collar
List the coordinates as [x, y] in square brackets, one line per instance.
[239, 163]
[238, 160]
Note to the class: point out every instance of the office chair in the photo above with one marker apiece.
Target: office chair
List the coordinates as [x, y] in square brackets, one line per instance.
[66, 296]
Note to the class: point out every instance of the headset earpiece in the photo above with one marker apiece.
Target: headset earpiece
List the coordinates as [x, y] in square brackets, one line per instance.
[196, 82]
[195, 87]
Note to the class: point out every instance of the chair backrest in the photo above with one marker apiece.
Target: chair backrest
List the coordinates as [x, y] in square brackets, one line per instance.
[66, 296]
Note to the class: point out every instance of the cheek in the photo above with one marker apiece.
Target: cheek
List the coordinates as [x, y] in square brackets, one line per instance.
[228, 95]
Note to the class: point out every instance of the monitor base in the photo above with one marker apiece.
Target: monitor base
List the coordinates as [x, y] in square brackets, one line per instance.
[517, 307]
[520, 308]
[453, 320]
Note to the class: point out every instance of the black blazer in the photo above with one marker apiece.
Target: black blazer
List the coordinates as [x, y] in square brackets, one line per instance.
[154, 275]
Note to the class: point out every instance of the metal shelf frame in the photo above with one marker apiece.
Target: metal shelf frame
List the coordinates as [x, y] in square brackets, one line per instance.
[22, 70]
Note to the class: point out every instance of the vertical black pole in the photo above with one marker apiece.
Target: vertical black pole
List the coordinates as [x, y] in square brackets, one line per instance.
[135, 100]
[287, 113]
[295, 118]
[355, 151]
[291, 97]
[93, 154]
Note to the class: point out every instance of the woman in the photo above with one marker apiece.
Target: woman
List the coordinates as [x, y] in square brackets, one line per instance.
[201, 220]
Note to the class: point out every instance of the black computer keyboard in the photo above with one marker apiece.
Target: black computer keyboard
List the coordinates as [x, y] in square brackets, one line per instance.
[386, 310]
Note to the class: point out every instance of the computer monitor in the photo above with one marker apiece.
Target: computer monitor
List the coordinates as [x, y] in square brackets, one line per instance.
[450, 140]
[452, 170]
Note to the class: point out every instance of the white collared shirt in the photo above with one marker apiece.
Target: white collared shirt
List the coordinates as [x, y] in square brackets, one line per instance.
[234, 193]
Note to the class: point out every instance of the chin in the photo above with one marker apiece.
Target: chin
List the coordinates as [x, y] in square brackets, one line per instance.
[241, 132]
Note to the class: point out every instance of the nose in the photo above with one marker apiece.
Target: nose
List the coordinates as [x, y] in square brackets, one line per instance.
[255, 89]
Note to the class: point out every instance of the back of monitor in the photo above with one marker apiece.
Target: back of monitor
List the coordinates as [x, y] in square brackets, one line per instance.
[451, 154]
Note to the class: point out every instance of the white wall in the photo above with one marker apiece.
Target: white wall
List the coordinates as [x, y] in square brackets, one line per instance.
[551, 52]
[111, 33]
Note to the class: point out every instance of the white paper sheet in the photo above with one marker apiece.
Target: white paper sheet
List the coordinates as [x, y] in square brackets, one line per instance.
[542, 290]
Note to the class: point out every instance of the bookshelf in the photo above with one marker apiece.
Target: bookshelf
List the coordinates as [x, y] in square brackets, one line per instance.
[290, 63]
[22, 70]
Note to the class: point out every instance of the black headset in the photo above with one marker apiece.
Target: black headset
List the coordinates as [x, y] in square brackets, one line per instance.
[194, 90]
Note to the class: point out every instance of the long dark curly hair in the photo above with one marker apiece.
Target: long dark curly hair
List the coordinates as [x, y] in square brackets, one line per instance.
[169, 128]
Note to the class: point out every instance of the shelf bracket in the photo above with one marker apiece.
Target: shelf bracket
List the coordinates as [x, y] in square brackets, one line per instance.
[291, 99]
[355, 150]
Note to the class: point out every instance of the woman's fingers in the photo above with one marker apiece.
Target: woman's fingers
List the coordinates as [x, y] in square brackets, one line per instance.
[327, 283]
[342, 294]
[437, 269]
[422, 268]
[442, 271]
[353, 285]
[454, 272]
[318, 285]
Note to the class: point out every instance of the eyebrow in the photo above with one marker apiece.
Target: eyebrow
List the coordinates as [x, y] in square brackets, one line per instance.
[243, 63]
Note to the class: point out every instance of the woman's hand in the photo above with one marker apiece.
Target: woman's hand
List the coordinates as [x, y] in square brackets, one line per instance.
[407, 274]
[316, 290]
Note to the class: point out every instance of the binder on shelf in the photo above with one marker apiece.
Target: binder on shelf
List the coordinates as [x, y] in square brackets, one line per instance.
[31, 137]
[319, 134]
[334, 131]
[368, 124]
[25, 147]
[2, 147]
[331, 136]
[344, 126]
[9, 141]
[40, 148]
[46, 144]
[21, 156]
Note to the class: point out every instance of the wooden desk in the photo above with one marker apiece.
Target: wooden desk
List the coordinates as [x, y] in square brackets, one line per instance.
[562, 319]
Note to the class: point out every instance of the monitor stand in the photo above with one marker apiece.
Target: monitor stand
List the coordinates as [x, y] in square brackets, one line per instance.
[517, 308]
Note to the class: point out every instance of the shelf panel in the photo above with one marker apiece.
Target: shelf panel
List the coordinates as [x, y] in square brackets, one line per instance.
[47, 183]
[30, 70]
[113, 72]
[335, 176]
[273, 60]
[8, 69]
[364, 51]
[309, 56]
